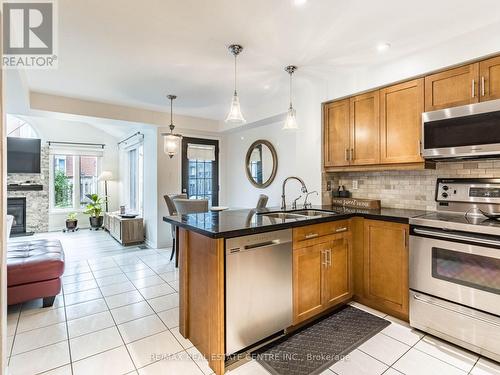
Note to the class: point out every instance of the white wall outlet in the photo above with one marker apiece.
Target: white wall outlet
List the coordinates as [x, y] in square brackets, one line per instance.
[354, 184]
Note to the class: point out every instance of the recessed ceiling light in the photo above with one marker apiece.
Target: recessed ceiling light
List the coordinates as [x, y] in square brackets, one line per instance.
[299, 2]
[381, 47]
[267, 87]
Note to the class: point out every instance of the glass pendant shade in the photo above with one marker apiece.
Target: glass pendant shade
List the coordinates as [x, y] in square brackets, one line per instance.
[170, 140]
[235, 116]
[291, 120]
[170, 146]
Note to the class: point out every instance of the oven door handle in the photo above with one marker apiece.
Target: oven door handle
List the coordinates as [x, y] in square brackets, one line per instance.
[458, 237]
[429, 302]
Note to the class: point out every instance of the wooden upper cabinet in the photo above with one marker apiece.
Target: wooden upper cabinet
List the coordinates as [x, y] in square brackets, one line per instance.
[489, 71]
[401, 108]
[385, 266]
[336, 134]
[452, 88]
[365, 127]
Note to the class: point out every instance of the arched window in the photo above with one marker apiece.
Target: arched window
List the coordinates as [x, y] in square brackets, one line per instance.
[17, 127]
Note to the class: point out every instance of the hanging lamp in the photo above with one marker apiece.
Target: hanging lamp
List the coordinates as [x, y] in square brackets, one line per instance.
[291, 120]
[170, 140]
[234, 116]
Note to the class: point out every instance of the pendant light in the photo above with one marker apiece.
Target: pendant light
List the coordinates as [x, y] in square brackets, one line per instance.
[170, 140]
[234, 116]
[291, 120]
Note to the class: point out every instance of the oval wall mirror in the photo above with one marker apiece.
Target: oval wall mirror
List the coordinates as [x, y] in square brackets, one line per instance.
[261, 163]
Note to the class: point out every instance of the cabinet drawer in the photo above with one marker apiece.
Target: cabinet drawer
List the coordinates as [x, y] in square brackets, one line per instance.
[312, 232]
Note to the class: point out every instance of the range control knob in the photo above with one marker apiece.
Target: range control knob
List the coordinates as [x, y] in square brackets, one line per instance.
[444, 195]
[445, 187]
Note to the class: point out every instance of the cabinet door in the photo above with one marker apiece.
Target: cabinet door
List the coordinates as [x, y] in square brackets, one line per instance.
[307, 263]
[336, 278]
[452, 88]
[365, 124]
[336, 134]
[489, 71]
[386, 266]
[401, 108]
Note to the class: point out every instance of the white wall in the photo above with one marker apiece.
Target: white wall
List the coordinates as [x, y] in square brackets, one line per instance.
[150, 186]
[71, 131]
[298, 153]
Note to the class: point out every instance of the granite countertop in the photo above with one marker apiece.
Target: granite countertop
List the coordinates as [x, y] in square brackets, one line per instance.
[234, 223]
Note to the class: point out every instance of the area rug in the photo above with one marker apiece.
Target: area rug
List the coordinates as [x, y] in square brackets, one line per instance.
[316, 347]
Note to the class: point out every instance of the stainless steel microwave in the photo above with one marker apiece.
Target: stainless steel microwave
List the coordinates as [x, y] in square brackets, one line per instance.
[469, 131]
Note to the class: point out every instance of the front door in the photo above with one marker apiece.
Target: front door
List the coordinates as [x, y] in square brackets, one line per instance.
[200, 169]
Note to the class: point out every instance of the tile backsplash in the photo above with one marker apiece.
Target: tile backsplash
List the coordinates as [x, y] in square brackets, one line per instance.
[408, 189]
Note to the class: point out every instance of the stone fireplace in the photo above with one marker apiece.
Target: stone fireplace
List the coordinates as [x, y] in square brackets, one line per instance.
[36, 218]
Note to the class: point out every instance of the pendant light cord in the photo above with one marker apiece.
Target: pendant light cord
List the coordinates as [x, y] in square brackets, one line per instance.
[291, 90]
[235, 56]
[171, 109]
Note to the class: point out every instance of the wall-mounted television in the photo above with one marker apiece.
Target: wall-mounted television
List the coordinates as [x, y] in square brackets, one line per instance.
[23, 155]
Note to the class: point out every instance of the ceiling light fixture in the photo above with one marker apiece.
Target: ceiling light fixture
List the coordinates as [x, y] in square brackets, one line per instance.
[291, 120]
[299, 2]
[234, 116]
[170, 142]
[382, 47]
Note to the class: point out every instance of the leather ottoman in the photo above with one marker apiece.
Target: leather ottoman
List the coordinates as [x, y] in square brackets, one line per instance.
[34, 270]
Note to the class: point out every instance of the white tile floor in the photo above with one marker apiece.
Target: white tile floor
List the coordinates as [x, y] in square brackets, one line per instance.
[118, 314]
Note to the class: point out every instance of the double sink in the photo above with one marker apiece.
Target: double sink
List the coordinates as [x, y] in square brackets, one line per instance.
[297, 214]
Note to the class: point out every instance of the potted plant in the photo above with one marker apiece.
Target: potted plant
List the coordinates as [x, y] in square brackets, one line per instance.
[71, 221]
[94, 209]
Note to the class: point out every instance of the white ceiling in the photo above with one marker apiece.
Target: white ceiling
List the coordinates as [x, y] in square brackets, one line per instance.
[135, 52]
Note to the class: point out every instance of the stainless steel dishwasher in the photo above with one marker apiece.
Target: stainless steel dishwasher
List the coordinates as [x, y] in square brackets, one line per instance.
[258, 287]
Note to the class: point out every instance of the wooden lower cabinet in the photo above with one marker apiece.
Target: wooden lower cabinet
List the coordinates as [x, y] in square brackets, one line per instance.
[385, 267]
[337, 283]
[307, 265]
[321, 275]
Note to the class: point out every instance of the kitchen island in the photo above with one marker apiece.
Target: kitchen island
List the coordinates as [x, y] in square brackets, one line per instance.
[202, 238]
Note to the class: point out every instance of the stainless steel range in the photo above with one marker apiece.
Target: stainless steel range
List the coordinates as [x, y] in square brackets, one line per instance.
[455, 266]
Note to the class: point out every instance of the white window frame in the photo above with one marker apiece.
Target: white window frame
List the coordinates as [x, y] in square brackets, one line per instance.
[139, 148]
[76, 181]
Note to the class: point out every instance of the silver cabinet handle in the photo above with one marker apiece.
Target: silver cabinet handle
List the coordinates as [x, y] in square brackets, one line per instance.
[473, 88]
[339, 230]
[352, 154]
[311, 235]
[329, 257]
[482, 86]
[324, 260]
[452, 236]
[346, 154]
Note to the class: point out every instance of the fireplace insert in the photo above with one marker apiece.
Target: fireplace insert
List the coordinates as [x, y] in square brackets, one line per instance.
[17, 208]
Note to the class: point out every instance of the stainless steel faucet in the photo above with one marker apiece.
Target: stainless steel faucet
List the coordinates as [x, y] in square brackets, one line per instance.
[304, 189]
[306, 204]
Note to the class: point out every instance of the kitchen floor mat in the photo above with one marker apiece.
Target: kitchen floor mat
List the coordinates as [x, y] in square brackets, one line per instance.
[313, 349]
